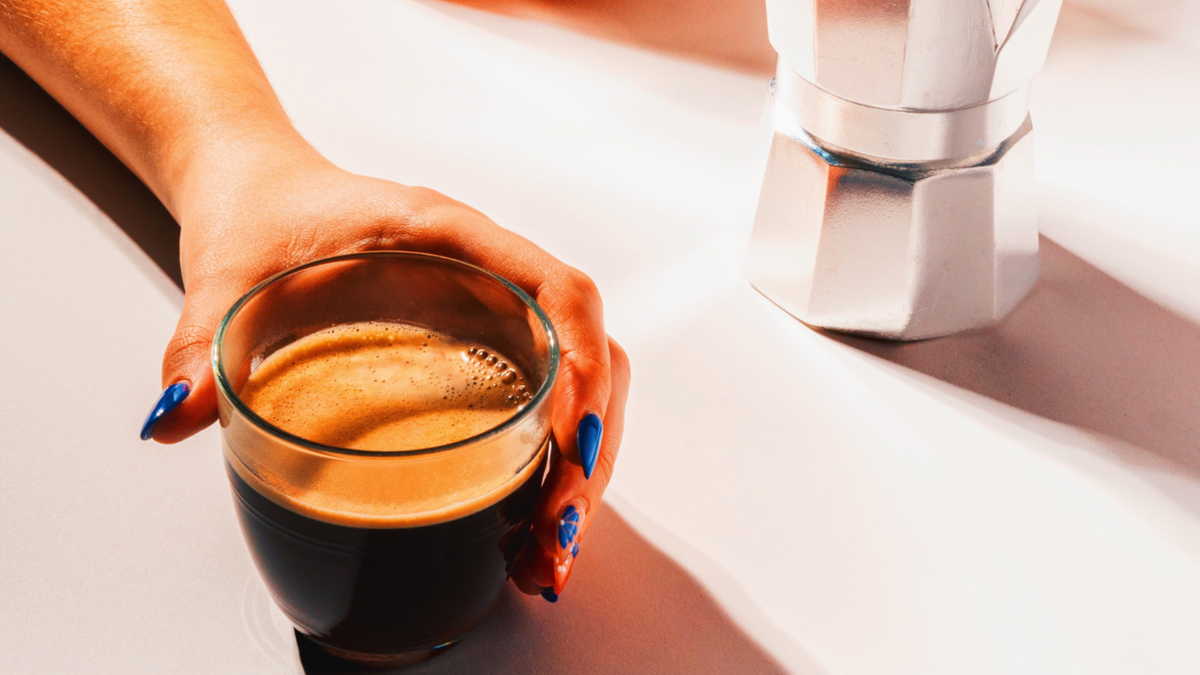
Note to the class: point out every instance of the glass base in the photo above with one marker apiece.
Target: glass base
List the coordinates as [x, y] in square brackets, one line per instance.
[365, 661]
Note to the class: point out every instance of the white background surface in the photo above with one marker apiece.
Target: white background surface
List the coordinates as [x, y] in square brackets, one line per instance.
[1026, 500]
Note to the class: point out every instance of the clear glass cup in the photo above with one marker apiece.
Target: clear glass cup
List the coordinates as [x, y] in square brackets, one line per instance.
[370, 556]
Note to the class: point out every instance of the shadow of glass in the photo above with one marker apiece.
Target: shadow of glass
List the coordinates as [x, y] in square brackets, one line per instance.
[629, 609]
[35, 120]
[1082, 349]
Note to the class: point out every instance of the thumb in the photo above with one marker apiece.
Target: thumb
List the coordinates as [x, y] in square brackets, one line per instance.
[188, 402]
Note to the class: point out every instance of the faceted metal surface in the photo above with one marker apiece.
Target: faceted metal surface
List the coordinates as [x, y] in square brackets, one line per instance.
[895, 254]
[914, 54]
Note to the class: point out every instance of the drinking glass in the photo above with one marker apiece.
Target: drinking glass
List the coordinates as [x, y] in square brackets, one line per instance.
[385, 558]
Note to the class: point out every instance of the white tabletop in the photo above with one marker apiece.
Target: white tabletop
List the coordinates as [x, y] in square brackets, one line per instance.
[1021, 500]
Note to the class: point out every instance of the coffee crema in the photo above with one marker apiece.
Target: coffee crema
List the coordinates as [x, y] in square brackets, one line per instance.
[386, 387]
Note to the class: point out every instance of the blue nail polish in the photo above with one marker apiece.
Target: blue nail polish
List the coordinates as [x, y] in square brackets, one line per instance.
[570, 529]
[587, 439]
[568, 526]
[549, 595]
[171, 397]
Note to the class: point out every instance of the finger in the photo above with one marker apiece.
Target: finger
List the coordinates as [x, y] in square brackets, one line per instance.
[512, 546]
[582, 391]
[570, 500]
[187, 372]
[435, 224]
[533, 570]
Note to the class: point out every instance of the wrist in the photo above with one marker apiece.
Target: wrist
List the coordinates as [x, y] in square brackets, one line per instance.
[233, 161]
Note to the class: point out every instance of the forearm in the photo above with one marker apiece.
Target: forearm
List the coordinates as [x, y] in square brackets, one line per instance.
[167, 85]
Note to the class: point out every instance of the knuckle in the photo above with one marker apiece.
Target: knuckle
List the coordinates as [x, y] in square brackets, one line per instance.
[375, 236]
[606, 463]
[300, 246]
[573, 301]
[423, 219]
[419, 195]
[618, 357]
[189, 342]
[584, 367]
[580, 285]
[419, 206]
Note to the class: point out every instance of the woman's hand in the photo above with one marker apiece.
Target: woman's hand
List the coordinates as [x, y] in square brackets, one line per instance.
[174, 90]
[266, 205]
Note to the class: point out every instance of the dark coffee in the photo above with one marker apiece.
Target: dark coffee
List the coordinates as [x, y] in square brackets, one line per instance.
[383, 591]
[362, 577]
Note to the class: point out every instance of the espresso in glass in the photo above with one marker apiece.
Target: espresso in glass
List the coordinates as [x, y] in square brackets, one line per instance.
[385, 423]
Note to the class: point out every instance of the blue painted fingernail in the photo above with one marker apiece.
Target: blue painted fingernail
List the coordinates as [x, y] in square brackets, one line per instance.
[570, 526]
[171, 397]
[587, 439]
[549, 595]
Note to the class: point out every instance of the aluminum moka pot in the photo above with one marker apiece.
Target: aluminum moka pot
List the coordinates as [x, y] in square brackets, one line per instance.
[898, 200]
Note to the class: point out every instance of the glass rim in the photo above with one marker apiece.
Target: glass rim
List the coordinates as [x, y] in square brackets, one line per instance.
[225, 388]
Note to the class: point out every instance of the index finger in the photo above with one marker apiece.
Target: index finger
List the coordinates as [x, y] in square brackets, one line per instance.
[569, 297]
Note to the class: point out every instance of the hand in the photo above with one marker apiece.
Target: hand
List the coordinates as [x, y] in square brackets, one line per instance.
[174, 90]
[249, 213]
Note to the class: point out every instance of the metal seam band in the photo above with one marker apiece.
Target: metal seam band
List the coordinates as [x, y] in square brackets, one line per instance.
[894, 135]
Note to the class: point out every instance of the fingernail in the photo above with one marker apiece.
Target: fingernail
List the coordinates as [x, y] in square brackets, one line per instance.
[587, 439]
[569, 523]
[549, 595]
[171, 397]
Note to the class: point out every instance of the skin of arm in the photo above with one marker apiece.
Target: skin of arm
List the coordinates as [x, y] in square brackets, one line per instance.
[165, 85]
[174, 90]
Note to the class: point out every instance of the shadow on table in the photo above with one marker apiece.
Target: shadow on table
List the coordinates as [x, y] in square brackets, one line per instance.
[731, 34]
[1082, 349]
[628, 609]
[37, 121]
